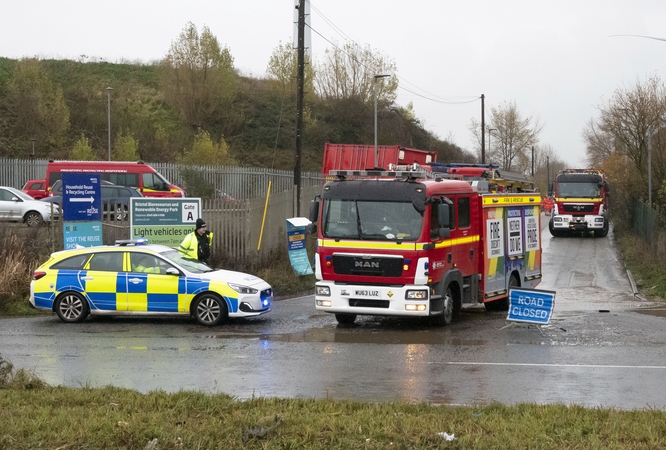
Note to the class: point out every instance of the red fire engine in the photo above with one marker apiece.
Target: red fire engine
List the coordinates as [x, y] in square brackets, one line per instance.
[412, 242]
[581, 202]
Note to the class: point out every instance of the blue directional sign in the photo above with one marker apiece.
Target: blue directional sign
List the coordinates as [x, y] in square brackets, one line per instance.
[81, 197]
[531, 305]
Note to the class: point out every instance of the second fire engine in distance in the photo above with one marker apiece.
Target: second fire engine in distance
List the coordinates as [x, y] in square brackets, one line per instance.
[581, 203]
[413, 243]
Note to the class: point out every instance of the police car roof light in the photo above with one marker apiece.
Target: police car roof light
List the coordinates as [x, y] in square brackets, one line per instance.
[126, 242]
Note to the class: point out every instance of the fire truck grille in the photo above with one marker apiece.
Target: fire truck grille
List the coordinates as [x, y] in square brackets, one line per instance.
[369, 267]
[574, 208]
[361, 303]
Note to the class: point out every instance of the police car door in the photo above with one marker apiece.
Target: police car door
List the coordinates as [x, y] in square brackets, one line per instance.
[150, 288]
[104, 282]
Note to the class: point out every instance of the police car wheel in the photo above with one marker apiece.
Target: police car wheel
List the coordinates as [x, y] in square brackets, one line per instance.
[210, 310]
[71, 307]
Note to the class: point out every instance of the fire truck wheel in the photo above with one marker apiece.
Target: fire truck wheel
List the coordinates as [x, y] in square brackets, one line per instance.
[603, 232]
[447, 316]
[345, 319]
[553, 231]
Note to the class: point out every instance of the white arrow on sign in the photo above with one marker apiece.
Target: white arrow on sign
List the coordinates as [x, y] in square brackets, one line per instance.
[90, 199]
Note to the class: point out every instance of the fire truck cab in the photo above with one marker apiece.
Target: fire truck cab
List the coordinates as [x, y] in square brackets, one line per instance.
[410, 242]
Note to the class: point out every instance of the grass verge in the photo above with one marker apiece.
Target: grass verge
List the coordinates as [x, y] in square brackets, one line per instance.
[35, 415]
[646, 264]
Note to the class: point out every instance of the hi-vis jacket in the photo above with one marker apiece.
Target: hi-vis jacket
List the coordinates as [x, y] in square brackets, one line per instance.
[190, 245]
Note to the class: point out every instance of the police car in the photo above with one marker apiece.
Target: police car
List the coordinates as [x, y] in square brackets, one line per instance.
[131, 279]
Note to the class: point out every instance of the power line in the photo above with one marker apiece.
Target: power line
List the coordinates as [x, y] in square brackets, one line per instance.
[430, 96]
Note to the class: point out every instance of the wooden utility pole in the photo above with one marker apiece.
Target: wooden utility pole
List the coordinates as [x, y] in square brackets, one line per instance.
[299, 102]
[483, 130]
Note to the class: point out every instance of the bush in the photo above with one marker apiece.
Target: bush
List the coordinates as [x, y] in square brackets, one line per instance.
[22, 250]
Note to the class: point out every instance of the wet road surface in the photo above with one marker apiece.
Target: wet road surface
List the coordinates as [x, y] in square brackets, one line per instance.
[604, 347]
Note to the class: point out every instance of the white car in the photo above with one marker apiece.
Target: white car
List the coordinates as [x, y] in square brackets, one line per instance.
[17, 206]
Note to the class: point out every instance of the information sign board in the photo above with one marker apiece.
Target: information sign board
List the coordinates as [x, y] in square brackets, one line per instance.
[164, 221]
[82, 234]
[81, 197]
[298, 255]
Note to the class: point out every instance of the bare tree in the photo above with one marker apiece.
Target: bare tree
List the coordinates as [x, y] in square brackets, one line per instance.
[634, 117]
[600, 145]
[349, 73]
[514, 136]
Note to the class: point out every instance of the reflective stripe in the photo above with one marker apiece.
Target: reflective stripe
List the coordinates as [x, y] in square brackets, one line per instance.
[367, 244]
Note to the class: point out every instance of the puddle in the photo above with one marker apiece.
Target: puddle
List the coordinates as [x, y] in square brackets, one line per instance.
[659, 311]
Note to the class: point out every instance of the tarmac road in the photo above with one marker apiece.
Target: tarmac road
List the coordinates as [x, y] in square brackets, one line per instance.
[604, 347]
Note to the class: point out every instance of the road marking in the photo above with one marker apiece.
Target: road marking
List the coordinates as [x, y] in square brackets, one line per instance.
[587, 366]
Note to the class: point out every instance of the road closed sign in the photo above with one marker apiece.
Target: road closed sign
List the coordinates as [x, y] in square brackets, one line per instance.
[530, 305]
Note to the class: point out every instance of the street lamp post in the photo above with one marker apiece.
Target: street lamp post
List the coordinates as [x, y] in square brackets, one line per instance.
[32, 140]
[649, 164]
[489, 130]
[108, 113]
[374, 94]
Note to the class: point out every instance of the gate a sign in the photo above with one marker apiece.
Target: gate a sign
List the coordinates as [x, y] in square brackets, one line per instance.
[530, 305]
[163, 221]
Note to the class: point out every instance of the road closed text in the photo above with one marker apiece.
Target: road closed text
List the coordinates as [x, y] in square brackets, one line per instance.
[530, 305]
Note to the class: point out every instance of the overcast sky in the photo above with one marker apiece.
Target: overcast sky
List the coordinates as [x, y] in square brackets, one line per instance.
[555, 59]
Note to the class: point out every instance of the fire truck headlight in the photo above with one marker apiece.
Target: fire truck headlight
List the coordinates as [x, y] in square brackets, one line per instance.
[415, 307]
[416, 295]
[326, 303]
[598, 219]
[323, 291]
[557, 219]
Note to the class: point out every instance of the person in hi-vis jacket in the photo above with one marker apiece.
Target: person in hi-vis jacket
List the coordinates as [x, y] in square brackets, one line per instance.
[196, 245]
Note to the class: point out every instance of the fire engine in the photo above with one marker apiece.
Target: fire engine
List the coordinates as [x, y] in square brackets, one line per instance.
[410, 241]
[581, 202]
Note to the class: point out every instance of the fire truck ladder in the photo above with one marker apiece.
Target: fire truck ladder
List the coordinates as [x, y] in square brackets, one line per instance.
[410, 172]
[498, 179]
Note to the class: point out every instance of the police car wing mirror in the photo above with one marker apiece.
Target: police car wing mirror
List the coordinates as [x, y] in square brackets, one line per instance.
[172, 271]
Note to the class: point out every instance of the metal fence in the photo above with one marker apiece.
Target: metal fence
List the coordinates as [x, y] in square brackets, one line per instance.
[646, 224]
[243, 183]
[247, 229]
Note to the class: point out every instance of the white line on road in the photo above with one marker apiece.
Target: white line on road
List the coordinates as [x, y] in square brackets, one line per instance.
[588, 366]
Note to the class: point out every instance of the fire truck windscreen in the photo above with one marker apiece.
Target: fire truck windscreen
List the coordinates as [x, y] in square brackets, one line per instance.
[358, 219]
[583, 190]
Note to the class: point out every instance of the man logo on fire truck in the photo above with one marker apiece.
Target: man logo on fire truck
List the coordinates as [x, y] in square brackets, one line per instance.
[412, 242]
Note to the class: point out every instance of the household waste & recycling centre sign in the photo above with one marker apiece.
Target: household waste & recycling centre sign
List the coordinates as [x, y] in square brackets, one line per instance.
[164, 221]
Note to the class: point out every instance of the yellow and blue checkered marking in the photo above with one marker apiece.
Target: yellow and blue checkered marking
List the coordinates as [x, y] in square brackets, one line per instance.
[128, 291]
